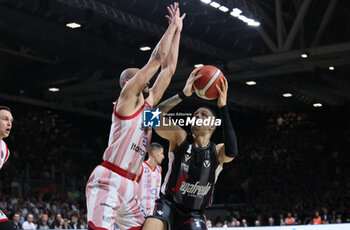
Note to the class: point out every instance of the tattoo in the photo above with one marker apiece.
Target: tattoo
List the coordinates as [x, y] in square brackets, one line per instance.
[168, 104]
[158, 56]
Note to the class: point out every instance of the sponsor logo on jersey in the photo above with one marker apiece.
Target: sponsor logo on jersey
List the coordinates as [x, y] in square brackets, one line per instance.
[195, 189]
[107, 205]
[154, 191]
[187, 157]
[137, 149]
[184, 167]
[2, 154]
[206, 163]
[160, 212]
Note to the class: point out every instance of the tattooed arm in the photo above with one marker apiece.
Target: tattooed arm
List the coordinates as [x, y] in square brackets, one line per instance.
[174, 133]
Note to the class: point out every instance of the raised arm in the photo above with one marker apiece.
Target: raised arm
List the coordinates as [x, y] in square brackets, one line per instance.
[173, 133]
[227, 151]
[169, 65]
[136, 84]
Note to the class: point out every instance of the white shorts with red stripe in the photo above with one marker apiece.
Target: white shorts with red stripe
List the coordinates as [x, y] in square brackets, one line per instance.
[112, 198]
[3, 217]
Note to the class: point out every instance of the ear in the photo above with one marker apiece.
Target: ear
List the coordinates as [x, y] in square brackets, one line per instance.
[154, 152]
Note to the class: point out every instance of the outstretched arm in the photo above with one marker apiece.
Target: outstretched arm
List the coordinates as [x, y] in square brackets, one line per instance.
[169, 65]
[136, 84]
[228, 150]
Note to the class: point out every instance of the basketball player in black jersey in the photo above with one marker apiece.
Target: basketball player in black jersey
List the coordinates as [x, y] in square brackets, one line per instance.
[194, 164]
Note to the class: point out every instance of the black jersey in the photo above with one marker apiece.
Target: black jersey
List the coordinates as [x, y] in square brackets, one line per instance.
[191, 175]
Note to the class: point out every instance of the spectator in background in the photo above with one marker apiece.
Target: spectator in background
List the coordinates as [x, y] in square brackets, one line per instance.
[219, 224]
[43, 222]
[271, 221]
[3, 203]
[338, 220]
[209, 224]
[232, 223]
[257, 222]
[21, 218]
[296, 218]
[282, 223]
[15, 222]
[58, 223]
[290, 220]
[326, 219]
[244, 223]
[333, 217]
[29, 224]
[238, 224]
[317, 218]
[74, 223]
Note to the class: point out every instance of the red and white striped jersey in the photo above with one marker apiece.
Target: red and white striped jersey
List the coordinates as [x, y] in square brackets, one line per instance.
[128, 140]
[149, 186]
[4, 153]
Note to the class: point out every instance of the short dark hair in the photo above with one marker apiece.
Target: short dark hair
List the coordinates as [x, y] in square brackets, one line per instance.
[210, 109]
[5, 108]
[154, 146]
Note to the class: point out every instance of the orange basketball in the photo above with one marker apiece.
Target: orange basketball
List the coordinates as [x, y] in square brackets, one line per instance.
[205, 87]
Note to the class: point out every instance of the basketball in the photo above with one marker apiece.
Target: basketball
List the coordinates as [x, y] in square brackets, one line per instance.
[205, 87]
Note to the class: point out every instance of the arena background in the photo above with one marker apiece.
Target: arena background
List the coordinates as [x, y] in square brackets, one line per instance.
[61, 84]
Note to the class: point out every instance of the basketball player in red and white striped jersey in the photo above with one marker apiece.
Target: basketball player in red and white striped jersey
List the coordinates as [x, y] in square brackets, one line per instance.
[6, 120]
[149, 177]
[111, 192]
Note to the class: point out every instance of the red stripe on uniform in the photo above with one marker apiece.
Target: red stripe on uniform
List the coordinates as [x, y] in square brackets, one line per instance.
[7, 152]
[91, 225]
[186, 222]
[3, 220]
[128, 117]
[118, 170]
[182, 178]
[136, 228]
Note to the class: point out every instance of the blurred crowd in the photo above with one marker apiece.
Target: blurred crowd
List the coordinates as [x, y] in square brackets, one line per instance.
[291, 169]
[290, 165]
[34, 213]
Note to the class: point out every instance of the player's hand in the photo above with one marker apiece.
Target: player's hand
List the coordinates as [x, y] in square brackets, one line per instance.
[189, 87]
[174, 16]
[222, 93]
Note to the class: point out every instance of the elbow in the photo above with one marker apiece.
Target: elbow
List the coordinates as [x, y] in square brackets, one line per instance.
[232, 154]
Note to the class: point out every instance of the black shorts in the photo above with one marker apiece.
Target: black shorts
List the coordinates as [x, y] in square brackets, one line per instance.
[176, 218]
[6, 225]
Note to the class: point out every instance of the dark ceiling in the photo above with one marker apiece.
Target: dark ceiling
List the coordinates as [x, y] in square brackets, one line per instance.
[38, 51]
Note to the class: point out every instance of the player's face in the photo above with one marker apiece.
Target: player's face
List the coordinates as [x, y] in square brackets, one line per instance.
[203, 114]
[6, 120]
[159, 156]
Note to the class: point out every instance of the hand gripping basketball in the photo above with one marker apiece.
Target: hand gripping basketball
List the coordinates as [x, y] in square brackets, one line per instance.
[222, 99]
[189, 87]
